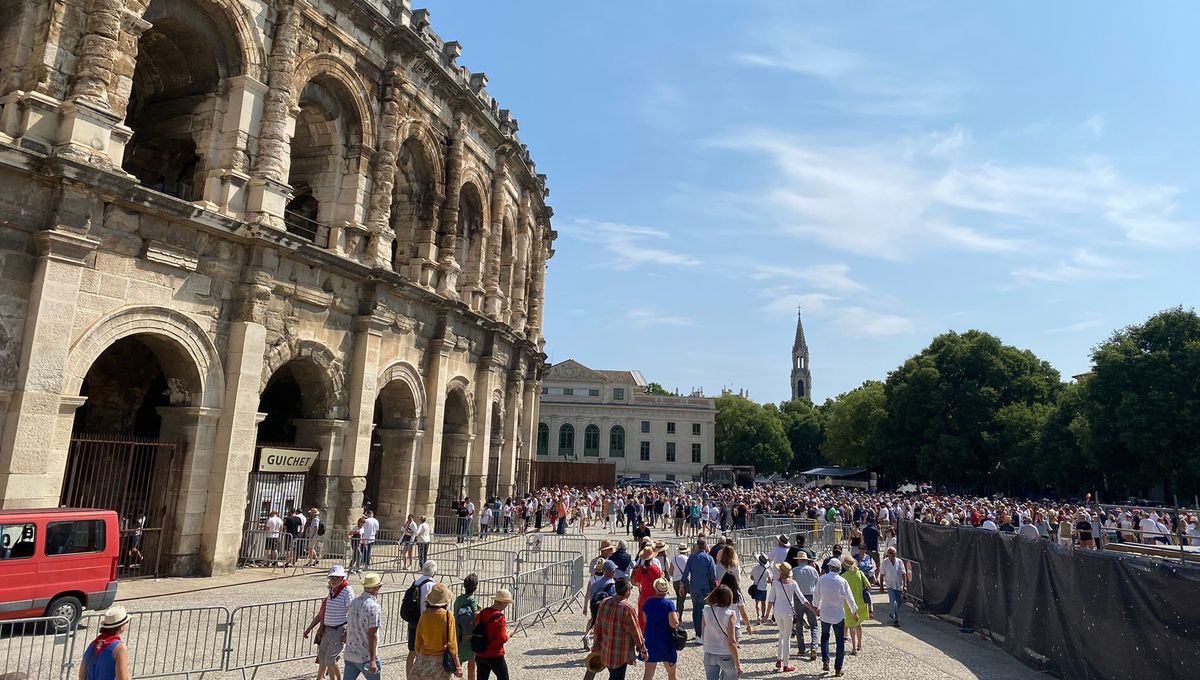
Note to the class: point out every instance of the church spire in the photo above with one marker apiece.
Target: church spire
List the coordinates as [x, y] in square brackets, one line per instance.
[801, 377]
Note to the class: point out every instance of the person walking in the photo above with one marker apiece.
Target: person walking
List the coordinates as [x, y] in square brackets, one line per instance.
[424, 586]
[700, 574]
[355, 537]
[107, 657]
[422, 536]
[602, 586]
[892, 579]
[617, 632]
[730, 569]
[860, 589]
[781, 600]
[806, 576]
[364, 618]
[331, 623]
[435, 636]
[760, 577]
[274, 526]
[406, 542]
[312, 530]
[465, 608]
[717, 631]
[645, 574]
[494, 626]
[292, 526]
[661, 618]
[677, 565]
[831, 594]
[369, 531]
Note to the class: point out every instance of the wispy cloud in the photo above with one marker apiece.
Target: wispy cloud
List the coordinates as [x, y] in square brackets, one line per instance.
[1080, 265]
[862, 322]
[628, 246]
[893, 199]
[644, 317]
[1094, 125]
[861, 86]
[835, 277]
[1087, 324]
[848, 319]
[663, 105]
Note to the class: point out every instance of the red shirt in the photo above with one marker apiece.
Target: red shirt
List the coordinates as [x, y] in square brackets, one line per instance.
[497, 631]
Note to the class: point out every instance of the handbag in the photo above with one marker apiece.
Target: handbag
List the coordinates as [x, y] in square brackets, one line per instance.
[449, 662]
[679, 639]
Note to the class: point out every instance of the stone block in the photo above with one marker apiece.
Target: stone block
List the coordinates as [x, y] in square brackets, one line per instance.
[114, 286]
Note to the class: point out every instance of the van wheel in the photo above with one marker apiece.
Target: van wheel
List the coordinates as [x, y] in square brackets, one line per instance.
[68, 607]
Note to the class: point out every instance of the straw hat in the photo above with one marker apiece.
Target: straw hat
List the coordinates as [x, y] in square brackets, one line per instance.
[114, 617]
[439, 596]
[785, 569]
[593, 662]
[646, 553]
[606, 545]
[502, 596]
[662, 586]
[372, 580]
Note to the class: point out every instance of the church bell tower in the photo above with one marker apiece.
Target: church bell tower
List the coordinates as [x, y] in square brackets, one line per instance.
[801, 378]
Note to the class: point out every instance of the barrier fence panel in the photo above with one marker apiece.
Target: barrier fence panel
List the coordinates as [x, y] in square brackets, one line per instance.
[264, 634]
[179, 642]
[40, 647]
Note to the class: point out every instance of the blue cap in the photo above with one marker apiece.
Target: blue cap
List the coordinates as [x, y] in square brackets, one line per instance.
[610, 566]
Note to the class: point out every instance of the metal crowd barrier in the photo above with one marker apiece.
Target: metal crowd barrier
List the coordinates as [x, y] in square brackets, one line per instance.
[41, 647]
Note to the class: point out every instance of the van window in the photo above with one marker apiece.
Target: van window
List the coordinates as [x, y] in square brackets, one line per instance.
[78, 536]
[16, 541]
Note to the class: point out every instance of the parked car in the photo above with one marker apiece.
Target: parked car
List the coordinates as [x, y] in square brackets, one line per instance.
[57, 562]
[640, 482]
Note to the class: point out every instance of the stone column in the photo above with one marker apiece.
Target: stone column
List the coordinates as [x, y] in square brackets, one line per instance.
[480, 449]
[31, 469]
[333, 492]
[393, 127]
[396, 489]
[448, 268]
[537, 272]
[363, 388]
[494, 301]
[517, 313]
[423, 264]
[195, 428]
[225, 185]
[515, 401]
[429, 465]
[269, 191]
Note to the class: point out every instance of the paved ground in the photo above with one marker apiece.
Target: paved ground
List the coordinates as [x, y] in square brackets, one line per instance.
[924, 648]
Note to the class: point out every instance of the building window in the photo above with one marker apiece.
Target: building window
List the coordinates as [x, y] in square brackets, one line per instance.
[645, 475]
[616, 442]
[670, 452]
[593, 393]
[670, 428]
[644, 454]
[695, 429]
[545, 390]
[670, 478]
[568, 391]
[543, 440]
[566, 440]
[591, 441]
[695, 453]
[645, 427]
[618, 394]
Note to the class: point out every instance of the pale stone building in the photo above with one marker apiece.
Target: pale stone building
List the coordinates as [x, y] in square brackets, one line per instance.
[595, 416]
[801, 375]
[234, 224]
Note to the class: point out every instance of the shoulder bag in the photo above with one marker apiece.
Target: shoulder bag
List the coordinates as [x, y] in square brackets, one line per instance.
[449, 662]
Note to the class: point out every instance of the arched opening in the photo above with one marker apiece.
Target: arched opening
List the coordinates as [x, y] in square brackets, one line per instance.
[121, 456]
[591, 440]
[543, 439]
[173, 104]
[470, 228]
[566, 440]
[616, 442]
[412, 201]
[323, 171]
[393, 452]
[456, 439]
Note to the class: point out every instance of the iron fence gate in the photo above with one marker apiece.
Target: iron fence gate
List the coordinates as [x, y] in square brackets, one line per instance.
[450, 491]
[493, 476]
[136, 478]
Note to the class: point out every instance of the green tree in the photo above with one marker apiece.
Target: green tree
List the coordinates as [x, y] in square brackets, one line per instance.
[943, 407]
[656, 388]
[804, 425]
[1143, 406]
[854, 429]
[1065, 464]
[749, 434]
[1017, 437]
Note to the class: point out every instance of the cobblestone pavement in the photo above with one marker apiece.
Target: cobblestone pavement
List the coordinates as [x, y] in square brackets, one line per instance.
[923, 648]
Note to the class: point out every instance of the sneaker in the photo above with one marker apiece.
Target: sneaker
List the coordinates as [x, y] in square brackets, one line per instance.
[778, 664]
[812, 655]
[789, 669]
[825, 666]
[838, 674]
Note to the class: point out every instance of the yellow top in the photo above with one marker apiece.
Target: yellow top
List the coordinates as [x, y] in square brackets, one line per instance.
[431, 632]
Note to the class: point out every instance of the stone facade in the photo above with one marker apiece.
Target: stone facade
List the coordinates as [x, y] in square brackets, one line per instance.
[594, 416]
[232, 222]
[801, 375]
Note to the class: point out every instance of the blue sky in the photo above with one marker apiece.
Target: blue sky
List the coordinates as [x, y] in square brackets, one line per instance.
[896, 169]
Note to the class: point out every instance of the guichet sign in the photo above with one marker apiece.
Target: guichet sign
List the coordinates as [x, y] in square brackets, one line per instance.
[285, 460]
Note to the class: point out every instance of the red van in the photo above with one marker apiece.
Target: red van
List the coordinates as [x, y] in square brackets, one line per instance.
[57, 562]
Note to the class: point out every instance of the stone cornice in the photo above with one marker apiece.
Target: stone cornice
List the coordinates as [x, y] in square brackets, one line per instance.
[65, 246]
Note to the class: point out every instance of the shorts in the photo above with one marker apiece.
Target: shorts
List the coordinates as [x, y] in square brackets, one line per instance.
[272, 543]
[759, 595]
[330, 649]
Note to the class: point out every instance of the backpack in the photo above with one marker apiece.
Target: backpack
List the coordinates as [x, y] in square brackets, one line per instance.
[479, 636]
[410, 606]
[464, 616]
[321, 529]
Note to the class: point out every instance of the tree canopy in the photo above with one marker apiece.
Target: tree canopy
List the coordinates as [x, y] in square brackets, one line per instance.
[750, 434]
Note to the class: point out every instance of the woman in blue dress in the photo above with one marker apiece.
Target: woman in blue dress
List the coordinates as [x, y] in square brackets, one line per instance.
[661, 618]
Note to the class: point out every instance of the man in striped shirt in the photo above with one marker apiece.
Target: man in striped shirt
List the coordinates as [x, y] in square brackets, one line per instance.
[332, 619]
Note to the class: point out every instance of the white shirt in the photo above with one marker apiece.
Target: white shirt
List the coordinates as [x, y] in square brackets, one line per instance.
[370, 528]
[1149, 529]
[1193, 531]
[784, 594]
[893, 572]
[274, 526]
[487, 516]
[989, 525]
[759, 575]
[426, 587]
[336, 608]
[831, 593]
[678, 564]
[720, 624]
[778, 556]
[422, 535]
[1029, 531]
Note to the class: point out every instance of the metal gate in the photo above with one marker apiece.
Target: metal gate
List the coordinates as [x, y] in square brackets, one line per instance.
[450, 490]
[522, 481]
[134, 477]
[493, 476]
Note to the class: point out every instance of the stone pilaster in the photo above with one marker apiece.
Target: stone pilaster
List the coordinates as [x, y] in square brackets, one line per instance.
[514, 407]
[363, 388]
[269, 191]
[494, 301]
[183, 529]
[449, 268]
[226, 185]
[28, 470]
[392, 129]
[429, 466]
[518, 306]
[537, 275]
[480, 449]
[401, 448]
[333, 492]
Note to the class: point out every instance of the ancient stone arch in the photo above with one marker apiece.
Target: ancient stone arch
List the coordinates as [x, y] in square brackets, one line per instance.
[185, 351]
[239, 35]
[322, 369]
[352, 88]
[420, 132]
[407, 374]
[459, 388]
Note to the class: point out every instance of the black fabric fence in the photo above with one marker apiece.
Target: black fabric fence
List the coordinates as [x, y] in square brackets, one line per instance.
[1081, 614]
